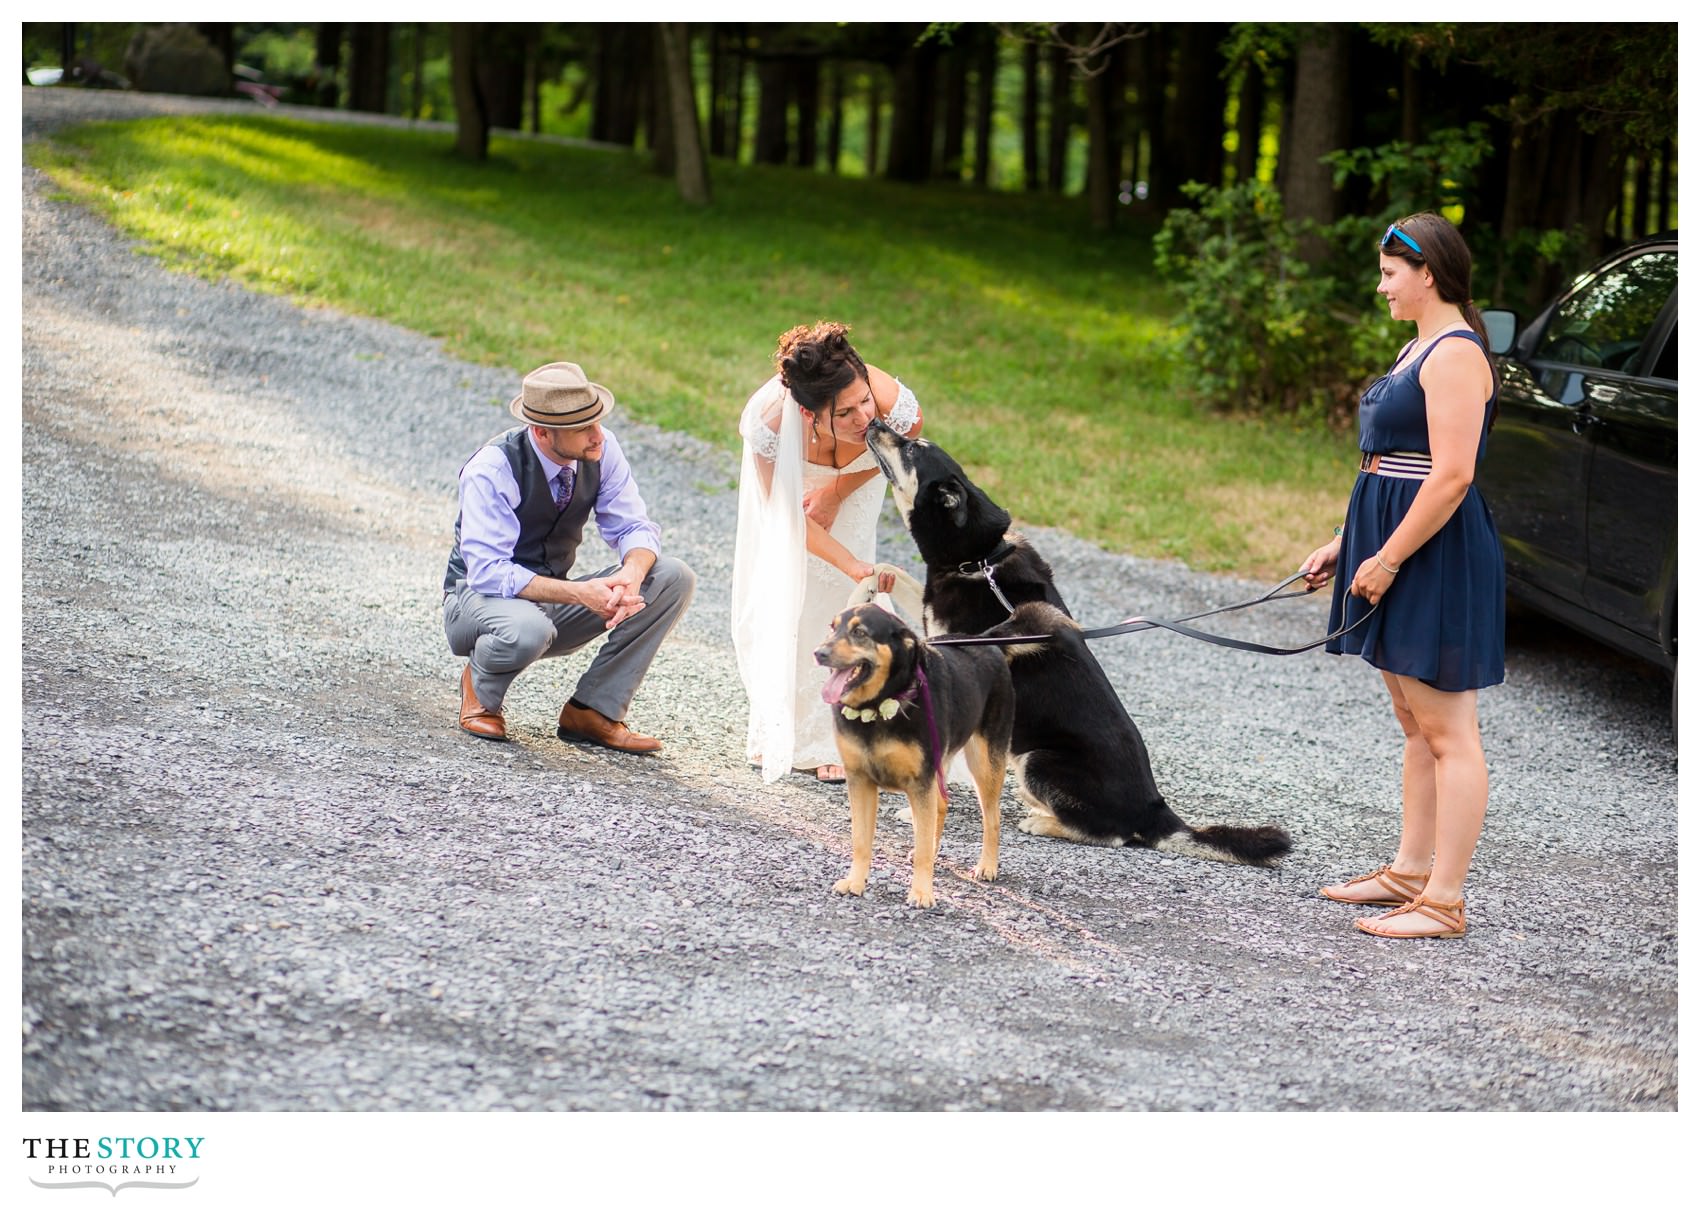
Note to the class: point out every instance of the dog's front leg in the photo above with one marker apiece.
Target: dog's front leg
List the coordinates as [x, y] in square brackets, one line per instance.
[864, 806]
[929, 821]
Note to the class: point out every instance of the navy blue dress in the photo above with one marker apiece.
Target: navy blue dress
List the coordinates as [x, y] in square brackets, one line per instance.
[1443, 619]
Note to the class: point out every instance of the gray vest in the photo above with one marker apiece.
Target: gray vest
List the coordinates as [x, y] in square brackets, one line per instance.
[548, 538]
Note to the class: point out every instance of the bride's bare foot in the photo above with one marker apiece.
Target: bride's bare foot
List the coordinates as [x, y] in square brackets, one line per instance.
[1382, 887]
[830, 772]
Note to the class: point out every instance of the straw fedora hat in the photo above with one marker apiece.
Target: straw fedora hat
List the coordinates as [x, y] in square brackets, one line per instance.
[559, 397]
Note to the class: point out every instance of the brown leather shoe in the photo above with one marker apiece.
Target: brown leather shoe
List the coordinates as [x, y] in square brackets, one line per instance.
[474, 718]
[587, 724]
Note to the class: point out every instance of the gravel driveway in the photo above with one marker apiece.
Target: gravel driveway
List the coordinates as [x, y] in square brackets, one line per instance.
[263, 870]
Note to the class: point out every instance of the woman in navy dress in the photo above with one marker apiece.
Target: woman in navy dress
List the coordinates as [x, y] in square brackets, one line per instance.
[1419, 547]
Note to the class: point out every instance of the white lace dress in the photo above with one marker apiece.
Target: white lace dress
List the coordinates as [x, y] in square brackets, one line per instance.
[790, 726]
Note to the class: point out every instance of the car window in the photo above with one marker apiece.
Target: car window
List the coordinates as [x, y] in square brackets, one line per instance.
[1666, 368]
[1604, 323]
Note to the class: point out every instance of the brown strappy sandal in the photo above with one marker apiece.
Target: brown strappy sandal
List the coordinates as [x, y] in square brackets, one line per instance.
[1449, 914]
[1404, 887]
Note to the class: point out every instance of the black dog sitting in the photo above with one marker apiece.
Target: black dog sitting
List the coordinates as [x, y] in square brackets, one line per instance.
[900, 710]
[1081, 766]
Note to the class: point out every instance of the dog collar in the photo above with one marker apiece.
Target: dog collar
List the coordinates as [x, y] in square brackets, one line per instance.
[885, 711]
[983, 568]
[969, 568]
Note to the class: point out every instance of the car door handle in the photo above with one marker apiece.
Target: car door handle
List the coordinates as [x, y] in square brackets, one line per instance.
[1604, 393]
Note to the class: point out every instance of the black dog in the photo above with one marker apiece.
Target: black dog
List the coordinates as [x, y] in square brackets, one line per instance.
[900, 710]
[1081, 766]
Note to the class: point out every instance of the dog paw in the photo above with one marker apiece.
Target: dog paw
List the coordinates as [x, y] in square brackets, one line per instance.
[921, 899]
[853, 888]
[985, 871]
[1033, 823]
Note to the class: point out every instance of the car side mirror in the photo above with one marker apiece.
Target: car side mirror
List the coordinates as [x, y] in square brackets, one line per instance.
[1501, 329]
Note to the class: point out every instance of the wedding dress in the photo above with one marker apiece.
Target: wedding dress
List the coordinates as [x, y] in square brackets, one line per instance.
[784, 597]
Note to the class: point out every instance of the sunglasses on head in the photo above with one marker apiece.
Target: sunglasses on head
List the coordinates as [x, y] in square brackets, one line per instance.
[1395, 231]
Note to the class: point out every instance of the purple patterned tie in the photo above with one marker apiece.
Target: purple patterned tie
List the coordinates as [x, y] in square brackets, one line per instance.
[563, 487]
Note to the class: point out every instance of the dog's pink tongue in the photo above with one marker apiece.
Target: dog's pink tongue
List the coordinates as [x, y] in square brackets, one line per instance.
[836, 683]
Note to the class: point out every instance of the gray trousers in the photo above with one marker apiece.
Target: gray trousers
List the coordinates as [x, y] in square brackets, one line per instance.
[502, 636]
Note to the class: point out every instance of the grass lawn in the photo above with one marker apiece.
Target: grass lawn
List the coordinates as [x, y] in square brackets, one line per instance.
[1039, 351]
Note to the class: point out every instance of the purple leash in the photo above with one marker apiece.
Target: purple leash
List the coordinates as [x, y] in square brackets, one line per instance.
[932, 727]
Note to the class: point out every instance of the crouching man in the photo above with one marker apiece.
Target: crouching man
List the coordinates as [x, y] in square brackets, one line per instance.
[510, 596]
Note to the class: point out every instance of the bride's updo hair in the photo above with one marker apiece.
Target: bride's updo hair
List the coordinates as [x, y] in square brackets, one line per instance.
[816, 362]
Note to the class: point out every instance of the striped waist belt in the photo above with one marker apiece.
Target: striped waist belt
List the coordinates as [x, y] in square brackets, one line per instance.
[1402, 465]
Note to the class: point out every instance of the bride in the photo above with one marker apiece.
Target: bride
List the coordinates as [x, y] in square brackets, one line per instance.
[809, 497]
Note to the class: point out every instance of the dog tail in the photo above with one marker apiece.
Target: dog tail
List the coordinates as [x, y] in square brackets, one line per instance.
[1031, 619]
[1258, 846]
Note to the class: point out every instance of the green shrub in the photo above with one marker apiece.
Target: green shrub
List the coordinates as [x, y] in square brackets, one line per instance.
[1262, 330]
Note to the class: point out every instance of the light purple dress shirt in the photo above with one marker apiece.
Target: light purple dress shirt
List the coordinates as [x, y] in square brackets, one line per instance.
[489, 527]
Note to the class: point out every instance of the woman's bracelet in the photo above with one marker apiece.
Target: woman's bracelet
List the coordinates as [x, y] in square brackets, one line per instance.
[1384, 566]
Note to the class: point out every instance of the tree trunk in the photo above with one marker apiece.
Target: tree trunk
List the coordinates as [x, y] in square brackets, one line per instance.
[1410, 123]
[1318, 127]
[1133, 112]
[690, 168]
[1665, 151]
[985, 97]
[1032, 171]
[1192, 126]
[327, 62]
[1604, 161]
[1103, 139]
[369, 67]
[660, 110]
[1154, 55]
[1248, 125]
[805, 89]
[835, 120]
[874, 103]
[726, 91]
[620, 75]
[533, 87]
[910, 156]
[735, 131]
[954, 124]
[1638, 226]
[717, 73]
[417, 102]
[772, 111]
[472, 124]
[502, 52]
[222, 35]
[1061, 118]
[1619, 212]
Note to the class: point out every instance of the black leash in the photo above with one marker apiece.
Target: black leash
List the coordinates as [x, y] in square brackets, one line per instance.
[1140, 623]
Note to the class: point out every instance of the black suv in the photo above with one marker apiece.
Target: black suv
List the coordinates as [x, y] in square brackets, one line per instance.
[1581, 469]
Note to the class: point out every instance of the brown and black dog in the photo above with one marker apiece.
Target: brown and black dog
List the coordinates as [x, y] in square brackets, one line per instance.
[901, 710]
